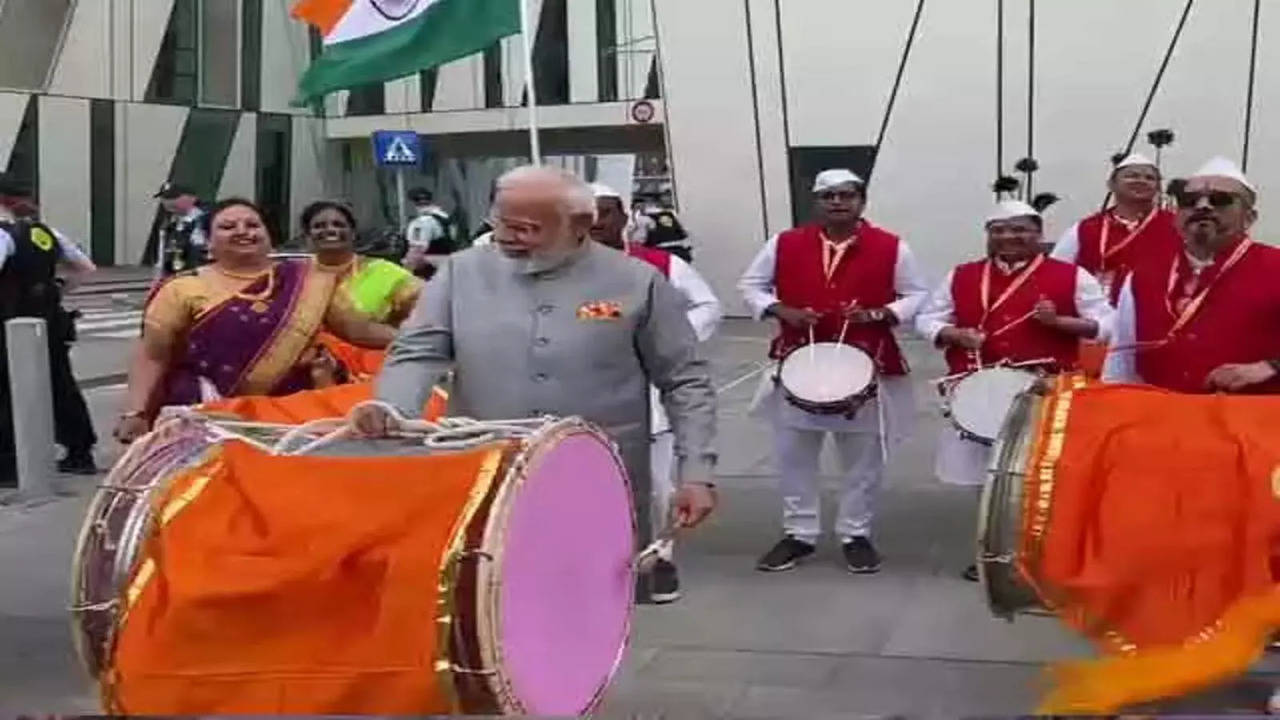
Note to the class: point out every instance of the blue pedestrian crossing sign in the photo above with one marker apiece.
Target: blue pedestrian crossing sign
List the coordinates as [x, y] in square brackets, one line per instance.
[395, 148]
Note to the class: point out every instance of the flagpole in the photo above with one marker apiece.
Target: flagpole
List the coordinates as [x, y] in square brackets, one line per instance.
[535, 145]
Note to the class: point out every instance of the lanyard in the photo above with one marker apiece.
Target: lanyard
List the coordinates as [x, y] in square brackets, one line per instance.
[833, 252]
[1104, 254]
[989, 307]
[1193, 306]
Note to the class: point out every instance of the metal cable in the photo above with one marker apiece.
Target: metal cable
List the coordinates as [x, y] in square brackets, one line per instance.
[897, 81]
[1253, 77]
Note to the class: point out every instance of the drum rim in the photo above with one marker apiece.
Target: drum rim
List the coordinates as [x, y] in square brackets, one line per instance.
[999, 479]
[867, 391]
[139, 518]
[955, 388]
[487, 602]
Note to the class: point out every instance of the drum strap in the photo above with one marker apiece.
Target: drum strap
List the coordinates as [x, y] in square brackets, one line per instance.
[988, 306]
[1105, 253]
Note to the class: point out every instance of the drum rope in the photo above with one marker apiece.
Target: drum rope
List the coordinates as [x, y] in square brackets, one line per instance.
[455, 433]
[443, 434]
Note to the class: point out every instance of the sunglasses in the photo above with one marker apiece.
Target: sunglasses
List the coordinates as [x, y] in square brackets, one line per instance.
[1218, 199]
[842, 195]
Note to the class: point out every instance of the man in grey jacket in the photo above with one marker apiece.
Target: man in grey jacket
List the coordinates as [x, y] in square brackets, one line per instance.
[545, 321]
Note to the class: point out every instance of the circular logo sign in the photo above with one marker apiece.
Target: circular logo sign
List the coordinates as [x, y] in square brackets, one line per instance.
[394, 9]
[643, 111]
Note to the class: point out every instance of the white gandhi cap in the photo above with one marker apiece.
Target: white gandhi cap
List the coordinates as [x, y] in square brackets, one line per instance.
[1009, 209]
[1224, 168]
[604, 191]
[1135, 160]
[828, 179]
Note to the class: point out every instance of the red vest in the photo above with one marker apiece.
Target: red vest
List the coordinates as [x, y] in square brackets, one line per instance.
[864, 274]
[1159, 241]
[1024, 339]
[1238, 322]
[660, 259]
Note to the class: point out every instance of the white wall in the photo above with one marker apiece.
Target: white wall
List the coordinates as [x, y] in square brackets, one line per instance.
[286, 53]
[149, 19]
[1095, 59]
[711, 134]
[82, 68]
[64, 166]
[239, 177]
[13, 105]
[146, 142]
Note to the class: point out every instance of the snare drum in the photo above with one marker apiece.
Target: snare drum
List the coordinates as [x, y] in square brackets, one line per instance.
[486, 571]
[827, 378]
[978, 403]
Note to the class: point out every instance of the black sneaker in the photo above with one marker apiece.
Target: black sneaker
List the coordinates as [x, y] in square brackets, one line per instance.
[664, 583]
[971, 573]
[861, 556]
[785, 555]
[78, 463]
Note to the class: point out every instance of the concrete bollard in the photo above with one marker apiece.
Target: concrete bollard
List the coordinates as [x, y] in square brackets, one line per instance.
[31, 393]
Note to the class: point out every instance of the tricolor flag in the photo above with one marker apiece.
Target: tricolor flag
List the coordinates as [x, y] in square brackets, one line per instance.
[367, 41]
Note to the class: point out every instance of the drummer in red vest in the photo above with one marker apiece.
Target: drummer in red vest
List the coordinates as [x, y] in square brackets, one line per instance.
[812, 280]
[1013, 307]
[1207, 319]
[1110, 243]
[704, 315]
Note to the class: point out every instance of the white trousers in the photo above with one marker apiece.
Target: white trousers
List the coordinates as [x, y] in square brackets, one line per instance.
[861, 475]
[662, 460]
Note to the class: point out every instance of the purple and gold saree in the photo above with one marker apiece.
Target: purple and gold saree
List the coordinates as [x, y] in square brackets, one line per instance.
[254, 342]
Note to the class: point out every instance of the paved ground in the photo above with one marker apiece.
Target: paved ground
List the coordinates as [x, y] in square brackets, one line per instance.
[815, 642]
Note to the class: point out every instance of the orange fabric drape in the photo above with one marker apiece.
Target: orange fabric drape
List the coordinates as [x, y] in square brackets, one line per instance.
[295, 585]
[330, 402]
[362, 363]
[1158, 538]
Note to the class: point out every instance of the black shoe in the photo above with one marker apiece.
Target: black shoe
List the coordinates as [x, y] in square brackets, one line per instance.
[664, 583]
[861, 556]
[784, 555]
[78, 463]
[971, 573]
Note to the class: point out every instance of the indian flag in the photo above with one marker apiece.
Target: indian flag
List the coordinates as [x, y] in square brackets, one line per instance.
[367, 41]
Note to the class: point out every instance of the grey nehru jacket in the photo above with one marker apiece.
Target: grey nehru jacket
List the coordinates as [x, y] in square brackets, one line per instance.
[524, 344]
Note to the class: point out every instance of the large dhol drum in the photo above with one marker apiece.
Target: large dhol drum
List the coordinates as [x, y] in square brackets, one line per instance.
[1138, 516]
[237, 568]
[827, 378]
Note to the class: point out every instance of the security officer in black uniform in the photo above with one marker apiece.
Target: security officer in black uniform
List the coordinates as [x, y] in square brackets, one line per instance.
[182, 244]
[31, 254]
[664, 231]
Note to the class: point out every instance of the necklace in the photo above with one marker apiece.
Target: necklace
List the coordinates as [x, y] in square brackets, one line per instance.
[257, 300]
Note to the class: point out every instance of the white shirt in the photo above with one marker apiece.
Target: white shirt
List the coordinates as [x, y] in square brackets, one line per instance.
[426, 228]
[1068, 247]
[1120, 366]
[938, 311]
[72, 254]
[759, 289]
[705, 311]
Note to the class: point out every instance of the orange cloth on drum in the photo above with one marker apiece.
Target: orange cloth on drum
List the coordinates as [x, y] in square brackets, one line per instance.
[1158, 538]
[330, 402]
[293, 585]
[363, 364]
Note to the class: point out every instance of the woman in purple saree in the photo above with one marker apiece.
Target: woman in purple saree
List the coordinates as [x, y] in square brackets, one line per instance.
[243, 325]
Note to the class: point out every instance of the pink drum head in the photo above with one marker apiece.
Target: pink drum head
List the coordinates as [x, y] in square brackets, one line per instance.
[567, 581]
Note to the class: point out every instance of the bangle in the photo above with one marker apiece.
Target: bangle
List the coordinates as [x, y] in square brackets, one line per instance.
[132, 414]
